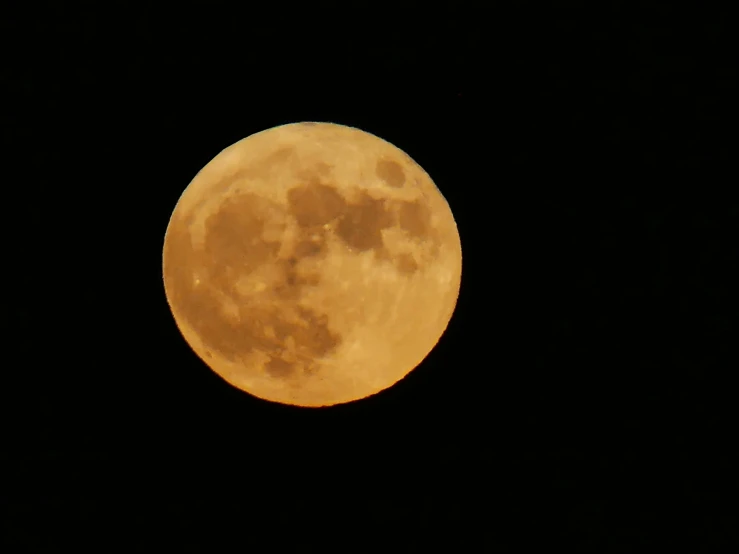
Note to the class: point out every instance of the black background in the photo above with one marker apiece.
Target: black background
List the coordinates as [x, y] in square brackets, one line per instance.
[583, 396]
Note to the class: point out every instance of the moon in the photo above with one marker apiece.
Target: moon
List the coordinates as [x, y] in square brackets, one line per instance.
[312, 264]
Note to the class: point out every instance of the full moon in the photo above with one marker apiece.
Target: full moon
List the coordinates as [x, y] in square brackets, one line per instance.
[312, 264]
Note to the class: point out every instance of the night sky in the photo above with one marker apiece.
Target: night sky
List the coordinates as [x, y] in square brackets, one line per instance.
[583, 397]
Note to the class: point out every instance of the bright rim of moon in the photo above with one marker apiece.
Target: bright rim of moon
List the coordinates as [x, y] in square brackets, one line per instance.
[312, 264]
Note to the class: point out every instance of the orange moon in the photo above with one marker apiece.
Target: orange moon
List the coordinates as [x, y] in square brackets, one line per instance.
[312, 264]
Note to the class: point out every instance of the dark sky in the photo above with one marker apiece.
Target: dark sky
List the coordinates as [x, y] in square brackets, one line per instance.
[583, 397]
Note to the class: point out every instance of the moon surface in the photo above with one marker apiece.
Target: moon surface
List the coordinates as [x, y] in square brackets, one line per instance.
[312, 264]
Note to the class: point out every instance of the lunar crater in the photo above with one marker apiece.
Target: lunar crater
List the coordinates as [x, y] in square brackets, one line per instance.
[390, 172]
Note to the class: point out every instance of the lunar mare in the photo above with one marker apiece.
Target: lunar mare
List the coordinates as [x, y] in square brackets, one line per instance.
[312, 264]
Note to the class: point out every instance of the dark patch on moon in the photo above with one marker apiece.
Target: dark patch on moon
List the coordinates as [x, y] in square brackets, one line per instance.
[277, 367]
[359, 222]
[313, 336]
[391, 173]
[362, 223]
[311, 244]
[406, 264]
[415, 219]
[227, 254]
[229, 243]
[315, 204]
